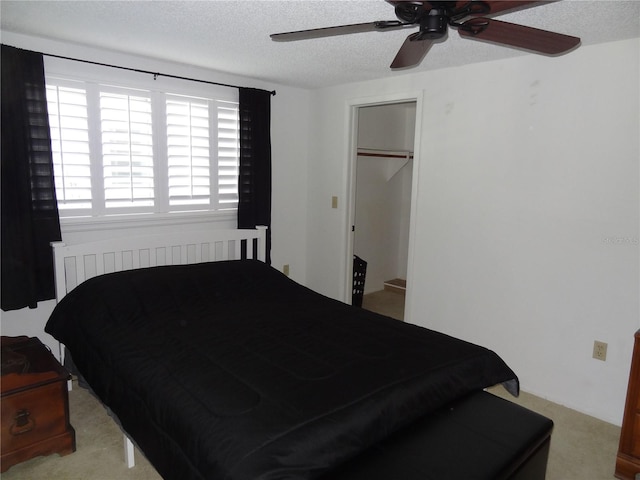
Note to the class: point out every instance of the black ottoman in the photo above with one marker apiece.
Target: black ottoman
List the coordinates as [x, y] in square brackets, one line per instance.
[481, 437]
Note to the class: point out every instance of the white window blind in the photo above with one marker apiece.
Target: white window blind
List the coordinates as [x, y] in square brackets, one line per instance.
[120, 150]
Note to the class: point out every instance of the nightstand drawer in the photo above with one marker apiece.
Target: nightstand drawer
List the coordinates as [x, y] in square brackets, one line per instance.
[635, 441]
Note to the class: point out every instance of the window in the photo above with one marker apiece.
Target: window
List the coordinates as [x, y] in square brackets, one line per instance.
[122, 150]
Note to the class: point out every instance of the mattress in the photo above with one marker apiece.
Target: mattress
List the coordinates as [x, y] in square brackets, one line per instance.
[231, 370]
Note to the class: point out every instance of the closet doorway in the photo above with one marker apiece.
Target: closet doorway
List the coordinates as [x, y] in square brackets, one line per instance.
[383, 179]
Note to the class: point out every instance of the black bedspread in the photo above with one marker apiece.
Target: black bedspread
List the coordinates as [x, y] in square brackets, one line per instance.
[230, 370]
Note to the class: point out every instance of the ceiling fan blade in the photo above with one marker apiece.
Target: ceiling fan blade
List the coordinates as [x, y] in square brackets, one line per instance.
[339, 30]
[514, 35]
[502, 6]
[411, 53]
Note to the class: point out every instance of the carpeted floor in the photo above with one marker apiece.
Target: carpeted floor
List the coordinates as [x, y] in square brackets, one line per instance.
[582, 447]
[386, 302]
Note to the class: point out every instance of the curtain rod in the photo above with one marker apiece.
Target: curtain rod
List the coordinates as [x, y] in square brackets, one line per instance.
[155, 74]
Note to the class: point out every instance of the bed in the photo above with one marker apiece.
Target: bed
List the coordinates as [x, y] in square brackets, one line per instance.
[218, 366]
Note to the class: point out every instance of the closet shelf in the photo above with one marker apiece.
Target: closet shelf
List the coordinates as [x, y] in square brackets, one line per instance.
[397, 285]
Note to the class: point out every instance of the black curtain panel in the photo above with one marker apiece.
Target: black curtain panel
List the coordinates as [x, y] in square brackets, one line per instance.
[254, 182]
[29, 209]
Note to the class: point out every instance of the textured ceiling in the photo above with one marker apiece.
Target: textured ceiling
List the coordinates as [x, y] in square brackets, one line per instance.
[233, 36]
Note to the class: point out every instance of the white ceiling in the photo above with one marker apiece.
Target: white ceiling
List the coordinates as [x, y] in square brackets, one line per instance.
[233, 36]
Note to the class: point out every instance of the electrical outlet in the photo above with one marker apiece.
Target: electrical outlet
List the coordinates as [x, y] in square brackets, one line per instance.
[285, 269]
[599, 350]
[334, 202]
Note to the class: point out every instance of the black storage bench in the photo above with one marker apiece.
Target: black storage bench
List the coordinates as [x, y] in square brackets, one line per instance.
[481, 437]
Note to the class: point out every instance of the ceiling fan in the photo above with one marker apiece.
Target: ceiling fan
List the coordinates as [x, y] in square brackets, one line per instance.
[433, 19]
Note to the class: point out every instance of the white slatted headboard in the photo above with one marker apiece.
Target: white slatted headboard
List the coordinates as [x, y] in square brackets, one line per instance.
[73, 264]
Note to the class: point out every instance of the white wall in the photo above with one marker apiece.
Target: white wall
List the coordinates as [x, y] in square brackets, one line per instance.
[526, 222]
[289, 137]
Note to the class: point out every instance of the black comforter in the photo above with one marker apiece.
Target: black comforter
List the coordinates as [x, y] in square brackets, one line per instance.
[230, 370]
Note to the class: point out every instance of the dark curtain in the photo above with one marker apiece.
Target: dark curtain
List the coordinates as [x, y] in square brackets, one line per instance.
[254, 182]
[29, 208]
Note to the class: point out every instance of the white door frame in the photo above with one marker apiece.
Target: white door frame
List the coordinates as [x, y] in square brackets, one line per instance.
[353, 106]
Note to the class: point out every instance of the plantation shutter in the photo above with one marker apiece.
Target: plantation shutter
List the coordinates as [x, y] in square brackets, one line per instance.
[127, 150]
[188, 152]
[120, 150]
[228, 154]
[70, 146]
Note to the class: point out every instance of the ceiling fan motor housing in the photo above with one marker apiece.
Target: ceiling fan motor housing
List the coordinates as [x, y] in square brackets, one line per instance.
[434, 25]
[433, 17]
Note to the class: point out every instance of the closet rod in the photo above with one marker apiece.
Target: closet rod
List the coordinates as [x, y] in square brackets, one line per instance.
[383, 154]
[155, 74]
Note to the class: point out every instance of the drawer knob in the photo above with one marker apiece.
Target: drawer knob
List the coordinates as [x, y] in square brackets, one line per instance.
[23, 423]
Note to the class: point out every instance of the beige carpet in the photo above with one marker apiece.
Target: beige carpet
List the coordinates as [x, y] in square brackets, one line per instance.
[582, 447]
[386, 302]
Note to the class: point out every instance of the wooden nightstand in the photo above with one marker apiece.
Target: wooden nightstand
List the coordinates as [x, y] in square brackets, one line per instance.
[628, 460]
[34, 402]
